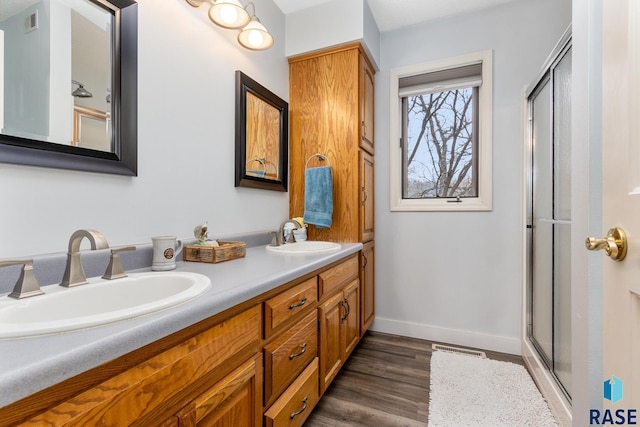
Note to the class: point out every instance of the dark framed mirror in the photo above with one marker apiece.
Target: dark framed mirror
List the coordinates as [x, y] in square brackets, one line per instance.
[69, 98]
[262, 136]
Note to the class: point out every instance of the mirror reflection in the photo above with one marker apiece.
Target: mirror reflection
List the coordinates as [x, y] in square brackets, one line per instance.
[261, 136]
[55, 58]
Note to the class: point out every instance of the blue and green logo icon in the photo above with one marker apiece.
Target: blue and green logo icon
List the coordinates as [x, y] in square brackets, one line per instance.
[613, 389]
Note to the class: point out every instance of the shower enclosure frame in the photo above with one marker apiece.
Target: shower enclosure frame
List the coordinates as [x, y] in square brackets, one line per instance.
[539, 364]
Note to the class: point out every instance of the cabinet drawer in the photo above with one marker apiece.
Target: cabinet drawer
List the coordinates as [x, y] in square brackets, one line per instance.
[297, 402]
[289, 304]
[338, 275]
[144, 389]
[233, 401]
[286, 357]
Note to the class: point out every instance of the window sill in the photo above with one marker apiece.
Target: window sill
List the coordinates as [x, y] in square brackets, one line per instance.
[440, 205]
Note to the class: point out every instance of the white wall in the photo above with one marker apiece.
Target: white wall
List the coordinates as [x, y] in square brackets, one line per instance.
[185, 145]
[330, 24]
[457, 277]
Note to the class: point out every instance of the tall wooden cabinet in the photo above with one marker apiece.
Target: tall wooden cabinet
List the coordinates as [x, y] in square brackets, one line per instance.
[331, 111]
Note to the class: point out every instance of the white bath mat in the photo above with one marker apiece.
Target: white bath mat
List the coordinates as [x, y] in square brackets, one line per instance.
[467, 391]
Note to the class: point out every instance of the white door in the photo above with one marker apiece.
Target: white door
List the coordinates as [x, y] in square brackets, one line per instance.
[621, 202]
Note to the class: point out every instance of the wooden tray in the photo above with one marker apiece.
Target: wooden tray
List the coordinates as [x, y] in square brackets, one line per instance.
[214, 254]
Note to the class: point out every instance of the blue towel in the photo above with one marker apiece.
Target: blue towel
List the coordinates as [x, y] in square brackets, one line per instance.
[318, 196]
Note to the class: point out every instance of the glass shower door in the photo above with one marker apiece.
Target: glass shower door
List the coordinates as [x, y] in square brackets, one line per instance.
[549, 296]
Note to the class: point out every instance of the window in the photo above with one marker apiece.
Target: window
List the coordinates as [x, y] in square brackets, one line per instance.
[441, 114]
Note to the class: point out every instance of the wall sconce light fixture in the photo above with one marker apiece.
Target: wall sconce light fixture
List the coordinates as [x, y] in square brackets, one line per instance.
[230, 14]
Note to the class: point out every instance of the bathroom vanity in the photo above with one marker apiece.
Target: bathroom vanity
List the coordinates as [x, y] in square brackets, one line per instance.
[259, 348]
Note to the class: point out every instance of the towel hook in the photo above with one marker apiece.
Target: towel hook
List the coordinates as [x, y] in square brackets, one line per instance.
[321, 157]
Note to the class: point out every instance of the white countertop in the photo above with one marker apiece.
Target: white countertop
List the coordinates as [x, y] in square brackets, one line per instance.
[29, 365]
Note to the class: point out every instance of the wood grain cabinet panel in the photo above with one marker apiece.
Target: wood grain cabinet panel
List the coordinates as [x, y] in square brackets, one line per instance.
[290, 303]
[330, 316]
[339, 318]
[366, 197]
[351, 318]
[337, 276]
[288, 355]
[129, 397]
[366, 105]
[297, 402]
[234, 401]
[367, 288]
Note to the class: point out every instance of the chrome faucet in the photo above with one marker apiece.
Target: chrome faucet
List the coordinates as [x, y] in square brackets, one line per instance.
[27, 284]
[278, 239]
[74, 273]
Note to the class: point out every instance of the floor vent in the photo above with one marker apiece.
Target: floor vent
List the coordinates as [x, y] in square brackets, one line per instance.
[458, 350]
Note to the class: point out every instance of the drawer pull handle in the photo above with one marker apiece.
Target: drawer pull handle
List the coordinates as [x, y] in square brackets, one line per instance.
[298, 304]
[304, 407]
[344, 308]
[300, 353]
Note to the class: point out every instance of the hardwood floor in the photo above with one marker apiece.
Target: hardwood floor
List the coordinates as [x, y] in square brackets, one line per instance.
[384, 383]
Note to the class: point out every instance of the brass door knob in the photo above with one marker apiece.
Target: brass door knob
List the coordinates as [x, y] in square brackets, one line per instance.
[615, 244]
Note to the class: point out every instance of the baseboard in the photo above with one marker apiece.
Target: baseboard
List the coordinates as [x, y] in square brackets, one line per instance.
[449, 336]
[560, 407]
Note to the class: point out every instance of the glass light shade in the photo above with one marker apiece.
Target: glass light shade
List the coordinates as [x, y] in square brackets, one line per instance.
[197, 3]
[229, 14]
[255, 36]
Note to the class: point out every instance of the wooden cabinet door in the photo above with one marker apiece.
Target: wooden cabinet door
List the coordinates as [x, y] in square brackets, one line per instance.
[351, 318]
[235, 401]
[366, 105]
[366, 196]
[367, 291]
[330, 314]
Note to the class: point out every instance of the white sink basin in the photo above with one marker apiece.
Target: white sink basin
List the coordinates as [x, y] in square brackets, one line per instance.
[97, 303]
[306, 247]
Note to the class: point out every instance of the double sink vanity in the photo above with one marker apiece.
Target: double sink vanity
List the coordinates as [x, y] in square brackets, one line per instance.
[250, 342]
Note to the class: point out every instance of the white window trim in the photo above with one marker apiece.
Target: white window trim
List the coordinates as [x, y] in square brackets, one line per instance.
[483, 202]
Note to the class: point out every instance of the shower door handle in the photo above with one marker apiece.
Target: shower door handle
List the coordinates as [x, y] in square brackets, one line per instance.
[615, 244]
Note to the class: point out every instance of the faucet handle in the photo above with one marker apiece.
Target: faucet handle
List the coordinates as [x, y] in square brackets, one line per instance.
[274, 241]
[27, 284]
[291, 238]
[114, 269]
